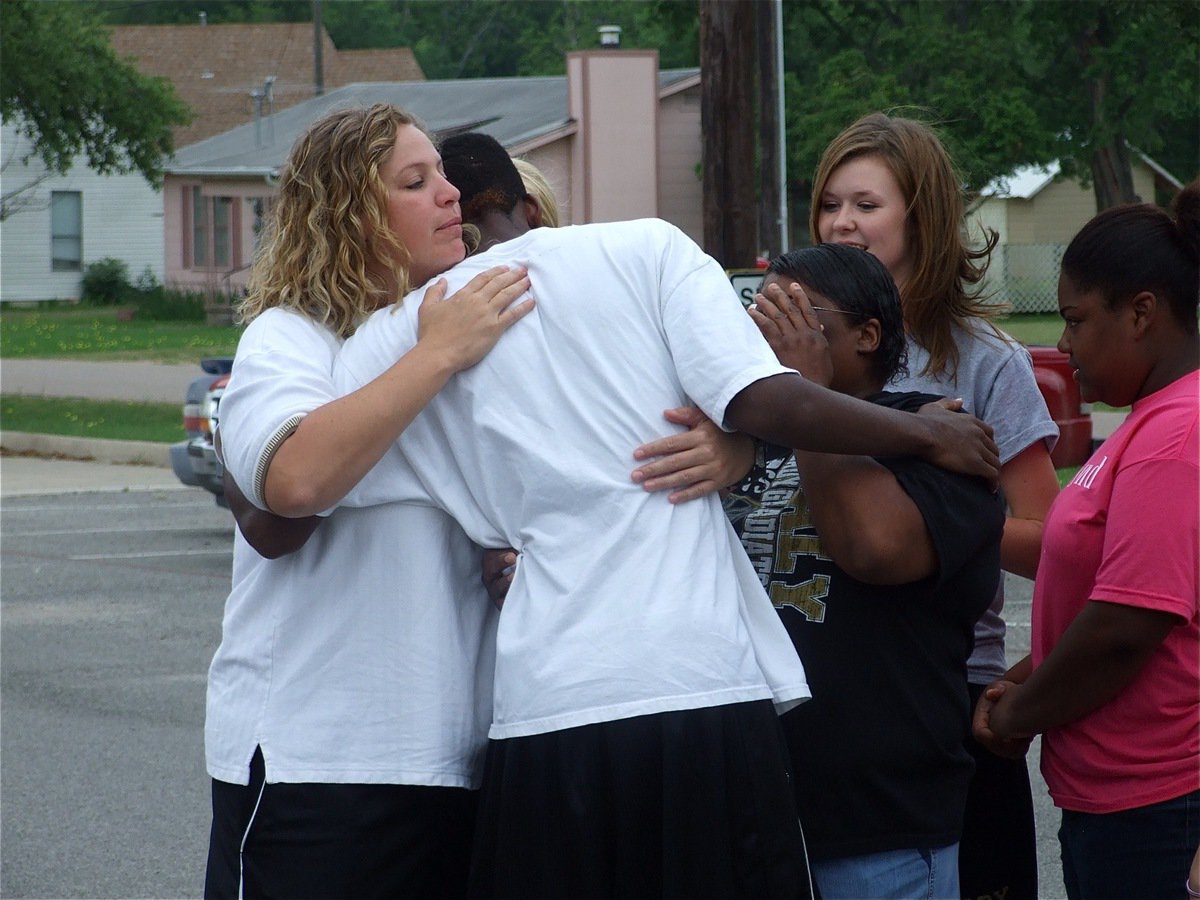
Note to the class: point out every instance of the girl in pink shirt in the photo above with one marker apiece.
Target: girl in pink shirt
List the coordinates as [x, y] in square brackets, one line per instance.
[1113, 681]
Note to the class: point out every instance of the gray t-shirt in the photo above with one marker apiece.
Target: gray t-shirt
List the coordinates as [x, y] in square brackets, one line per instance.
[996, 382]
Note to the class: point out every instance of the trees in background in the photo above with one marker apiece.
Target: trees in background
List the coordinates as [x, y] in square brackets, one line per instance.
[1120, 73]
[67, 93]
[1008, 82]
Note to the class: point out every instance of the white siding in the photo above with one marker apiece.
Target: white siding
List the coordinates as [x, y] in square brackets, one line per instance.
[122, 218]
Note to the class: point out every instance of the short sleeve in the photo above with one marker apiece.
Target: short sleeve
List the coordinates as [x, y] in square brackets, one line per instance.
[961, 514]
[1016, 409]
[282, 371]
[1151, 539]
[716, 347]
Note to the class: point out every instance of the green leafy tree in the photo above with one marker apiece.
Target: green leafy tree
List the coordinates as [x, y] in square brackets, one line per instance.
[486, 39]
[959, 65]
[66, 91]
[1007, 82]
[1120, 73]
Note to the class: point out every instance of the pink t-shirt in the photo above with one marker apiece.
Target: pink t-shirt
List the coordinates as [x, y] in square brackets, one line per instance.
[1126, 530]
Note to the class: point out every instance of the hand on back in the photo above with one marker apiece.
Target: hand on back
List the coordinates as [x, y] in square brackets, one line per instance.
[962, 443]
[468, 323]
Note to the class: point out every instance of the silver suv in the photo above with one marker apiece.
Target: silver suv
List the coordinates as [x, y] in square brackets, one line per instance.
[194, 460]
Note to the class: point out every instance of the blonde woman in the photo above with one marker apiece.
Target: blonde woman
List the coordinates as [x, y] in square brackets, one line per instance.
[346, 712]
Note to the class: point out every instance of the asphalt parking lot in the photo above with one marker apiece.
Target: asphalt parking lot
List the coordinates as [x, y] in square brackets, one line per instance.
[111, 611]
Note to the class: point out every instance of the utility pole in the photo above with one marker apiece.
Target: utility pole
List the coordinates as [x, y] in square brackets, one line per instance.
[727, 70]
[318, 45]
[769, 240]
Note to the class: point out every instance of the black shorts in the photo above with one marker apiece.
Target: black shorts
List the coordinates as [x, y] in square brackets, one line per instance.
[338, 840]
[686, 804]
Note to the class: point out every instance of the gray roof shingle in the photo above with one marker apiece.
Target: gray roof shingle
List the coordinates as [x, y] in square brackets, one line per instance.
[512, 110]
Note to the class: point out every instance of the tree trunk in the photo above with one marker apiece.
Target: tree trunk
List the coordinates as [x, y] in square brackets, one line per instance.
[1112, 174]
[727, 129]
[1112, 166]
[768, 134]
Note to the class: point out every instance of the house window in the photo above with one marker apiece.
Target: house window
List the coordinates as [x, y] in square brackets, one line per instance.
[222, 231]
[66, 231]
[212, 232]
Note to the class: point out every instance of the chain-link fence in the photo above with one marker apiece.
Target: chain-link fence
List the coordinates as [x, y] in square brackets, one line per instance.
[1025, 276]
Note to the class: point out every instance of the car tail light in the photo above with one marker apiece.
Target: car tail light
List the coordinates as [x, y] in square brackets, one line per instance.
[192, 422]
[208, 409]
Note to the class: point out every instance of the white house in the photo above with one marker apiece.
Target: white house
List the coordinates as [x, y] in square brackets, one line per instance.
[66, 222]
[63, 222]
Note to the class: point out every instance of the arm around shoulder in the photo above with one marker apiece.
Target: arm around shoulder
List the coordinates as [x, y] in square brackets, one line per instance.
[790, 411]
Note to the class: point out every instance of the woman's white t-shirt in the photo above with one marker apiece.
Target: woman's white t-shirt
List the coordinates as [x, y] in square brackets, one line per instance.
[367, 655]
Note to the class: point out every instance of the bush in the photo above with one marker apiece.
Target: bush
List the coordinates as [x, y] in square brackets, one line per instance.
[160, 304]
[106, 282]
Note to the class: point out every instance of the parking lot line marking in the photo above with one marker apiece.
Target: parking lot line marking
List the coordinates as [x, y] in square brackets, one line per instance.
[107, 530]
[149, 554]
[9, 509]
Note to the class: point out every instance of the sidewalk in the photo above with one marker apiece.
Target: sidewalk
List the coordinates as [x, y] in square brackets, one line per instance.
[133, 463]
[22, 476]
[145, 382]
[156, 382]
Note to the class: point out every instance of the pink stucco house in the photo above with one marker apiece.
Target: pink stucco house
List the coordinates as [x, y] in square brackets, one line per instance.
[616, 138]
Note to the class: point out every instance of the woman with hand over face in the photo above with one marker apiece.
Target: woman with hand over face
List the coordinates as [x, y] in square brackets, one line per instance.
[1113, 680]
[878, 568]
[349, 699]
[887, 185]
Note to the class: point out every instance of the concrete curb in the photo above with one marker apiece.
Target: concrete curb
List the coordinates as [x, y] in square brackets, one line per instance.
[149, 453]
[135, 453]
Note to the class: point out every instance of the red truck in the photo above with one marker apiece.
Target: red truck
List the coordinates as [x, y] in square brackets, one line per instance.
[1061, 392]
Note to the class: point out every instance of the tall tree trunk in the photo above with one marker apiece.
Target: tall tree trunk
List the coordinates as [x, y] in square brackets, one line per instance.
[1112, 174]
[769, 241]
[1112, 165]
[727, 129]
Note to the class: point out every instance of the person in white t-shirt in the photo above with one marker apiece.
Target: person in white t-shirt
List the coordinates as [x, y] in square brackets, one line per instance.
[349, 698]
[635, 747]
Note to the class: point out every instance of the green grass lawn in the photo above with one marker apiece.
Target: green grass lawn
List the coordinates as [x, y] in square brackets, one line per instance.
[1042, 328]
[77, 332]
[94, 333]
[80, 417]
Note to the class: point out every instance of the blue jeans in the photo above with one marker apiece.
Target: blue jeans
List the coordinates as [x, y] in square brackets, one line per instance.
[1135, 853]
[896, 874]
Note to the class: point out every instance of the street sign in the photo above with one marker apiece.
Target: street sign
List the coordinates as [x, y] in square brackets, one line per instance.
[746, 282]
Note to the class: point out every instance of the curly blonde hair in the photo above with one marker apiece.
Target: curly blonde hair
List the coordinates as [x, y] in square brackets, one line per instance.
[327, 251]
[943, 288]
